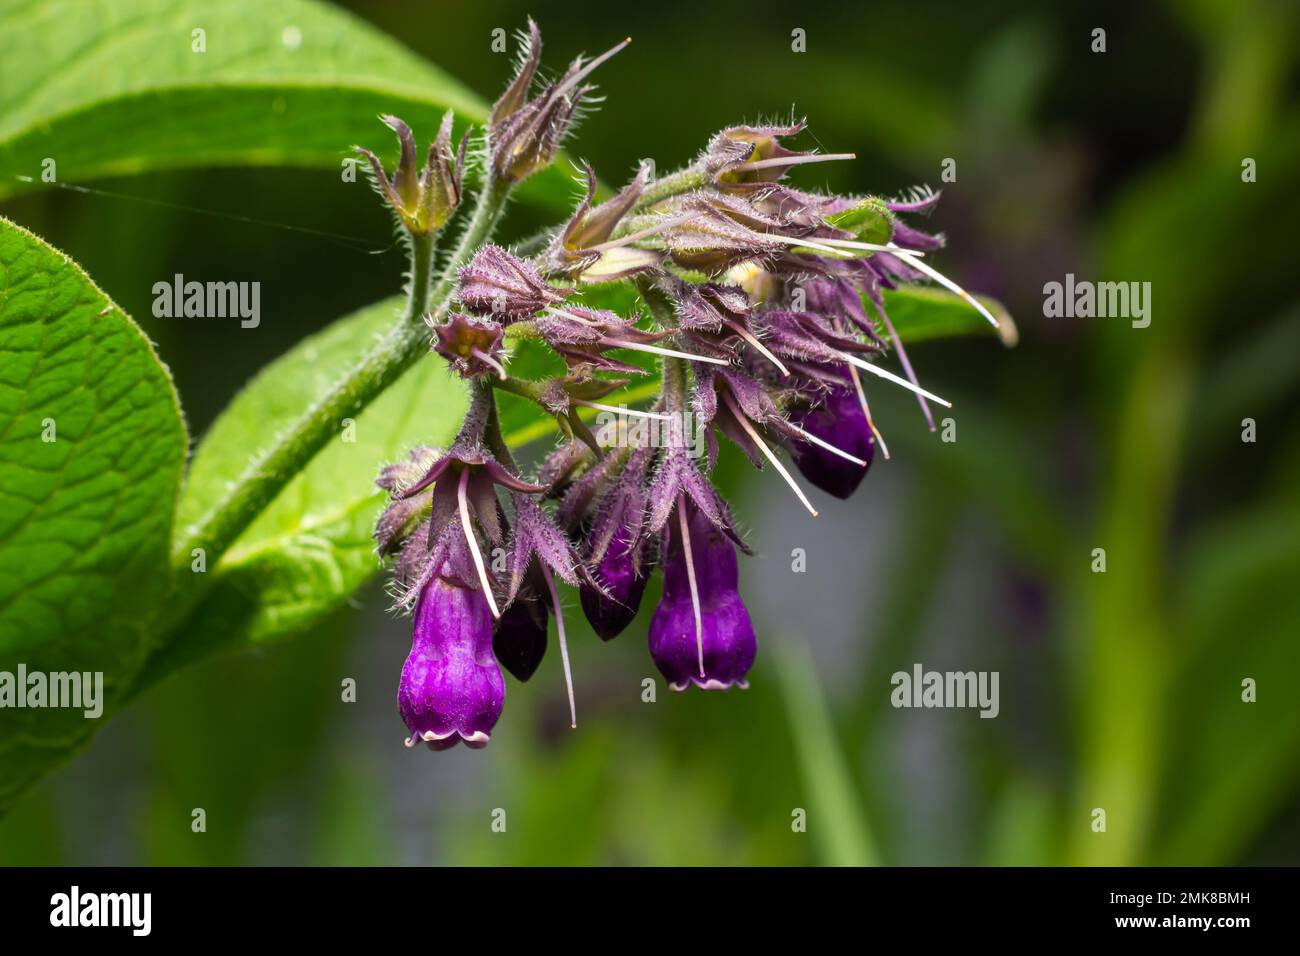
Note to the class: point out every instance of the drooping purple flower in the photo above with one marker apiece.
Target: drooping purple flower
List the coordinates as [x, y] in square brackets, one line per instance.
[701, 632]
[451, 688]
[766, 348]
[839, 421]
[624, 581]
[440, 501]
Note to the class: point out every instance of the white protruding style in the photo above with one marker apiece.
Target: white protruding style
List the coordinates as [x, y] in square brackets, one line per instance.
[690, 577]
[891, 377]
[463, 501]
[564, 644]
[769, 454]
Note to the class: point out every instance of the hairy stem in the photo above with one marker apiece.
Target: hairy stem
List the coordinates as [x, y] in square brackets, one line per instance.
[492, 437]
[276, 465]
[674, 184]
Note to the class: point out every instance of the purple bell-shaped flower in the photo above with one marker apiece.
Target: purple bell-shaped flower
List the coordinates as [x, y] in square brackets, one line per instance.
[701, 632]
[451, 689]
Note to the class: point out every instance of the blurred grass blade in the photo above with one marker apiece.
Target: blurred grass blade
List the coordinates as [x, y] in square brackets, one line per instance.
[836, 818]
[1248, 378]
[1232, 763]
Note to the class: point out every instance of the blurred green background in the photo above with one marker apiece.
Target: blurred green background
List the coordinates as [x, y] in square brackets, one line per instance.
[1119, 690]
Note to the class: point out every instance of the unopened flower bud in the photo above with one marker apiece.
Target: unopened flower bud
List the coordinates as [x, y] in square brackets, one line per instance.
[841, 422]
[423, 201]
[524, 134]
[499, 284]
[519, 639]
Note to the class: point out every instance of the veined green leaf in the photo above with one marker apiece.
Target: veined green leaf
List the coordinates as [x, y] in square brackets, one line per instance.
[91, 449]
[110, 89]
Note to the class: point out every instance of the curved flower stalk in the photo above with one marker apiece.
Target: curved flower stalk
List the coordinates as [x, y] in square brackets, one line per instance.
[762, 305]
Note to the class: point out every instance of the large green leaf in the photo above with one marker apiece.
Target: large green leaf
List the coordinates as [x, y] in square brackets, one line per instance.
[91, 449]
[107, 89]
[312, 548]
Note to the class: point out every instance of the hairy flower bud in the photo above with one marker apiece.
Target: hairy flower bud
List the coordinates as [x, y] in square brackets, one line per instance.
[584, 249]
[839, 421]
[524, 134]
[616, 546]
[624, 582]
[499, 284]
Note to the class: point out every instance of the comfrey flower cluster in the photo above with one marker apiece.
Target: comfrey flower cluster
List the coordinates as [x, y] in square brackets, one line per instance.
[758, 303]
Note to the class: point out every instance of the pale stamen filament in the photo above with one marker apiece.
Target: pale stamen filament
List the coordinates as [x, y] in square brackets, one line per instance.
[822, 443]
[477, 555]
[868, 246]
[671, 353]
[866, 410]
[564, 644]
[638, 346]
[752, 339]
[768, 454]
[910, 258]
[622, 410]
[795, 160]
[891, 377]
[816, 244]
[690, 577]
